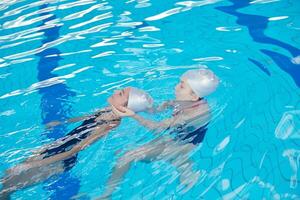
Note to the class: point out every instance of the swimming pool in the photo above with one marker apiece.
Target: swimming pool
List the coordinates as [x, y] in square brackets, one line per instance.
[63, 58]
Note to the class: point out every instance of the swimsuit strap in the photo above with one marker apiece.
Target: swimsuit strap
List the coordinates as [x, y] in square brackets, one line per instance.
[103, 121]
[97, 114]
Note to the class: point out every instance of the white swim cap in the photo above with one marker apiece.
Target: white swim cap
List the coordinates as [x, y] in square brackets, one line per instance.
[139, 100]
[202, 81]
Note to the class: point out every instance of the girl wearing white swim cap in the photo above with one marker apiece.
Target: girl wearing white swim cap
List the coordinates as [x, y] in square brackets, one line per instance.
[134, 99]
[60, 156]
[195, 84]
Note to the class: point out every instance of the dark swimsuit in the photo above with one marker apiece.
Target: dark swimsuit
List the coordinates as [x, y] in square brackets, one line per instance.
[188, 134]
[78, 134]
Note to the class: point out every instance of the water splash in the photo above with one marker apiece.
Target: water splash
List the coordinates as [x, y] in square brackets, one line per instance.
[294, 158]
[289, 126]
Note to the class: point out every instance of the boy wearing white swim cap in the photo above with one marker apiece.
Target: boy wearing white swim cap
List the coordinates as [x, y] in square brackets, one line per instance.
[61, 155]
[188, 126]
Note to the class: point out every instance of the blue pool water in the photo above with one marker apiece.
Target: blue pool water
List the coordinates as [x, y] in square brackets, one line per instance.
[63, 58]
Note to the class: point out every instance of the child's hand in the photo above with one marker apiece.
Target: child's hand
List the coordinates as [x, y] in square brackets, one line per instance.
[123, 111]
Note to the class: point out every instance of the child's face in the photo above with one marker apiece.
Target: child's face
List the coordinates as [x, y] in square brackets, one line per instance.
[119, 98]
[183, 91]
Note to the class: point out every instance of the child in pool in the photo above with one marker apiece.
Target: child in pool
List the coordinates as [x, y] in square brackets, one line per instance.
[61, 155]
